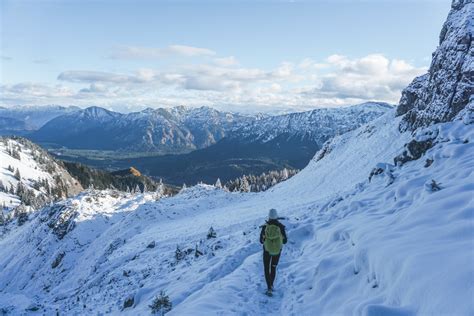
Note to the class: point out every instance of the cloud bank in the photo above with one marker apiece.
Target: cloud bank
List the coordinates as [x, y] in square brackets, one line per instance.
[223, 82]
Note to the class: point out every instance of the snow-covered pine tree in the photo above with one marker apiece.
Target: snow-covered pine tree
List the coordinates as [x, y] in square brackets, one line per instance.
[218, 184]
[211, 233]
[21, 214]
[161, 304]
[244, 185]
[160, 190]
[197, 252]
[178, 254]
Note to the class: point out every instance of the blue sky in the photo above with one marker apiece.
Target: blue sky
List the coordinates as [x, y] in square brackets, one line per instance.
[241, 55]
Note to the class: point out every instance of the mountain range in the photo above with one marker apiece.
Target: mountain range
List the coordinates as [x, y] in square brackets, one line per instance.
[22, 120]
[243, 145]
[181, 129]
[173, 130]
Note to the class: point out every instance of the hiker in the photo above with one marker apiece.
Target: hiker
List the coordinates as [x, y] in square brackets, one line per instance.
[272, 236]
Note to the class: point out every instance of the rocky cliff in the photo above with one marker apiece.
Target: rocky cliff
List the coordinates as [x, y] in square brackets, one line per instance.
[447, 88]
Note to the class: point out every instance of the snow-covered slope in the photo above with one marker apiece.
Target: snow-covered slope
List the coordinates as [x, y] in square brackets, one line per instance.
[317, 125]
[379, 223]
[389, 245]
[41, 179]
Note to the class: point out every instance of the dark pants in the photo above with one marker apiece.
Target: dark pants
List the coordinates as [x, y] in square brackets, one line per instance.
[269, 266]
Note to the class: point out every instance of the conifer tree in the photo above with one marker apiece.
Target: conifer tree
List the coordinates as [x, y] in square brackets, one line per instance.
[17, 174]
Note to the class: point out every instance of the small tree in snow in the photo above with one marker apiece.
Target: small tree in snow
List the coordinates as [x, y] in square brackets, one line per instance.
[197, 252]
[211, 233]
[244, 185]
[160, 190]
[17, 174]
[21, 214]
[434, 186]
[161, 304]
[15, 153]
[218, 184]
[179, 254]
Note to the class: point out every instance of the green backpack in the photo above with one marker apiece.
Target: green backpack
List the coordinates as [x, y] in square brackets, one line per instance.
[273, 239]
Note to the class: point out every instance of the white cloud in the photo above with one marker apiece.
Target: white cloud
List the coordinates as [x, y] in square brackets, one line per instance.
[36, 90]
[226, 61]
[137, 52]
[371, 77]
[335, 81]
[142, 75]
[310, 65]
[94, 88]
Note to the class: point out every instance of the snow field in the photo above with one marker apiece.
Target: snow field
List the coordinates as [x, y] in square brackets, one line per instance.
[362, 248]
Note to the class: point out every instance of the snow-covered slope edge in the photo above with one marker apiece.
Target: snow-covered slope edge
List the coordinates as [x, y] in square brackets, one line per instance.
[391, 244]
[400, 243]
[30, 176]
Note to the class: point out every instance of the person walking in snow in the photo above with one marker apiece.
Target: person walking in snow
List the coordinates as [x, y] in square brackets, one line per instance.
[272, 237]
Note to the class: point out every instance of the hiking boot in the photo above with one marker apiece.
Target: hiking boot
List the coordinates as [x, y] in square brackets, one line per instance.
[269, 292]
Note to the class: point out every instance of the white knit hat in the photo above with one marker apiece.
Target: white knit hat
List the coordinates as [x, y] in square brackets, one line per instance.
[272, 214]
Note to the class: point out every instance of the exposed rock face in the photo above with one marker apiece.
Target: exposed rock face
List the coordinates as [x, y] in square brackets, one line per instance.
[414, 150]
[449, 84]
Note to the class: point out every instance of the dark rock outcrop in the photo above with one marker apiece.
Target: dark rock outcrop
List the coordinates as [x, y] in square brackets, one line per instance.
[414, 150]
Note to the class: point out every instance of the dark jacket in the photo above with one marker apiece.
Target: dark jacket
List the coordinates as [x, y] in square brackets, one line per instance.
[273, 222]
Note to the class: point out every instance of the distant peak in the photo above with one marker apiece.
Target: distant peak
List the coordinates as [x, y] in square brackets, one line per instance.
[373, 105]
[96, 111]
[149, 110]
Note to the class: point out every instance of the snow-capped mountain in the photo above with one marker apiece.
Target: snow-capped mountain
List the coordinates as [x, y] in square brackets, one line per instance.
[175, 130]
[30, 176]
[379, 223]
[24, 119]
[317, 125]
[181, 129]
[263, 144]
